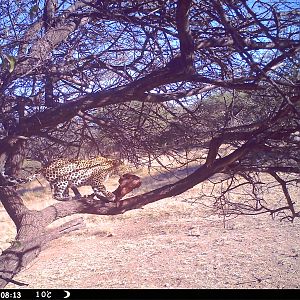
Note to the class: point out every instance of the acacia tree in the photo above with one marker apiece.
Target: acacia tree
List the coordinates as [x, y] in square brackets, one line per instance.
[148, 78]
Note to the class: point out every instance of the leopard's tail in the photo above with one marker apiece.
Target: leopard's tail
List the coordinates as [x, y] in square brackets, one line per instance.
[13, 181]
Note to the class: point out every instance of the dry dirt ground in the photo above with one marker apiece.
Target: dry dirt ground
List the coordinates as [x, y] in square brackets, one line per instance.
[173, 243]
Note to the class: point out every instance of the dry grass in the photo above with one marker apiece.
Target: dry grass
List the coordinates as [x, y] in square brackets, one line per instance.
[173, 243]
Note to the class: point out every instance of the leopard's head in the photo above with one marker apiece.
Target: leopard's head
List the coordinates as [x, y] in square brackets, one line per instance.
[122, 167]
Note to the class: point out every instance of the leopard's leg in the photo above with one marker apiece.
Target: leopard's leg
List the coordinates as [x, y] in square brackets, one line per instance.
[66, 193]
[74, 182]
[76, 192]
[61, 190]
[100, 190]
[54, 189]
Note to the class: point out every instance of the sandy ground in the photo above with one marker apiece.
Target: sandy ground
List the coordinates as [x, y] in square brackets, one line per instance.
[173, 243]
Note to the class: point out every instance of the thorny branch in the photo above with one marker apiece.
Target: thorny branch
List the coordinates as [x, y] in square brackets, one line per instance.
[212, 87]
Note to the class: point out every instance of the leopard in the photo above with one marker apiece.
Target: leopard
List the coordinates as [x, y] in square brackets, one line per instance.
[63, 174]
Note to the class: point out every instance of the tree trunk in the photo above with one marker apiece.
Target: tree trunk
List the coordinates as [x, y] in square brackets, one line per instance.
[32, 233]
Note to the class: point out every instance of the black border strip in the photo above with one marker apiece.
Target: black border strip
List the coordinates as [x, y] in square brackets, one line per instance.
[78, 294]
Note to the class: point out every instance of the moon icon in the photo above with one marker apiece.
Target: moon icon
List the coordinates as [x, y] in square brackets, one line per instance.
[67, 294]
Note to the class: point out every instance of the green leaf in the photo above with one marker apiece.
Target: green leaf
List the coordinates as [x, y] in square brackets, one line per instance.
[11, 60]
[12, 63]
[33, 11]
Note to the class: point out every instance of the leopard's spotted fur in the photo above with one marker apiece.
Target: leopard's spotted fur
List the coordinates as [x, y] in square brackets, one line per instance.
[63, 174]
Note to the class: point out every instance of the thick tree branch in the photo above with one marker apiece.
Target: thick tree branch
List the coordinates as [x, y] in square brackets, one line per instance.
[213, 42]
[185, 35]
[122, 74]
